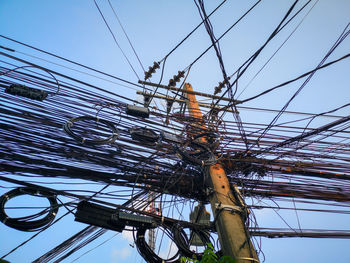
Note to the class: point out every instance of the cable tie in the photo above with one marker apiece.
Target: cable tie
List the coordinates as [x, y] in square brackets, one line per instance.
[162, 220]
[83, 140]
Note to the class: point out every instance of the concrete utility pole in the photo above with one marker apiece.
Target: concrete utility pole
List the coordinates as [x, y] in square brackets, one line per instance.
[228, 207]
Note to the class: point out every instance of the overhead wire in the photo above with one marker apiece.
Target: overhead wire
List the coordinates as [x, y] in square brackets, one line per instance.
[278, 49]
[65, 59]
[343, 35]
[47, 151]
[126, 35]
[115, 39]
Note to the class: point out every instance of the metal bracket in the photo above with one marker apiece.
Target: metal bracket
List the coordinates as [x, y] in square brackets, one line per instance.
[231, 208]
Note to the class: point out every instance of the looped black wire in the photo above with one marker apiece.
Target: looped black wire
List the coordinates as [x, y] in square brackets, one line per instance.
[148, 254]
[108, 106]
[69, 124]
[184, 242]
[25, 223]
[177, 234]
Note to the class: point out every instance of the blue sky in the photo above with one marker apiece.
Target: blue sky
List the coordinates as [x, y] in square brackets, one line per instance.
[75, 30]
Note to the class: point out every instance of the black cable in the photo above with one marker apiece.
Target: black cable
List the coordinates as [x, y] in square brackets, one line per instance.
[148, 254]
[67, 77]
[32, 66]
[343, 35]
[242, 69]
[289, 81]
[70, 61]
[126, 35]
[229, 29]
[184, 242]
[25, 224]
[183, 40]
[115, 40]
[110, 139]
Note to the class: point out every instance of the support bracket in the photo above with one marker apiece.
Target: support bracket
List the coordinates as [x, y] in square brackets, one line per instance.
[231, 208]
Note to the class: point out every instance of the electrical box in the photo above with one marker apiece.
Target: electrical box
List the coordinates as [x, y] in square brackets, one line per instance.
[137, 111]
[169, 137]
[144, 135]
[97, 215]
[24, 91]
[200, 216]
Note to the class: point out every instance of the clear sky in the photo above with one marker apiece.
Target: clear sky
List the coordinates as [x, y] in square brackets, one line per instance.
[75, 30]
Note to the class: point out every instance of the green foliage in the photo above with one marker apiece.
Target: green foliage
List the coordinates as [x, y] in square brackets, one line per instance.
[4, 261]
[209, 256]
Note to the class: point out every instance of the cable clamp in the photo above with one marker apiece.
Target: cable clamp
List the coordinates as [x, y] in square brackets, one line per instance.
[231, 208]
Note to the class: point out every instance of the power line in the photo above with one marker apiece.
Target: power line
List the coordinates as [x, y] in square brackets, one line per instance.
[115, 40]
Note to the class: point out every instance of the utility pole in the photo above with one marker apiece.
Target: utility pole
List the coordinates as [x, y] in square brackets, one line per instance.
[227, 205]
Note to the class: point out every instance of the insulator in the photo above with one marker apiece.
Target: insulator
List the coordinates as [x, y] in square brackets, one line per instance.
[151, 70]
[181, 74]
[171, 83]
[218, 88]
[169, 104]
[155, 65]
[176, 78]
[24, 91]
[146, 100]
[147, 75]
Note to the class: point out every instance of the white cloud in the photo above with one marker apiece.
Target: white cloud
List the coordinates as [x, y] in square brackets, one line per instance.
[169, 250]
[120, 253]
[128, 235]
